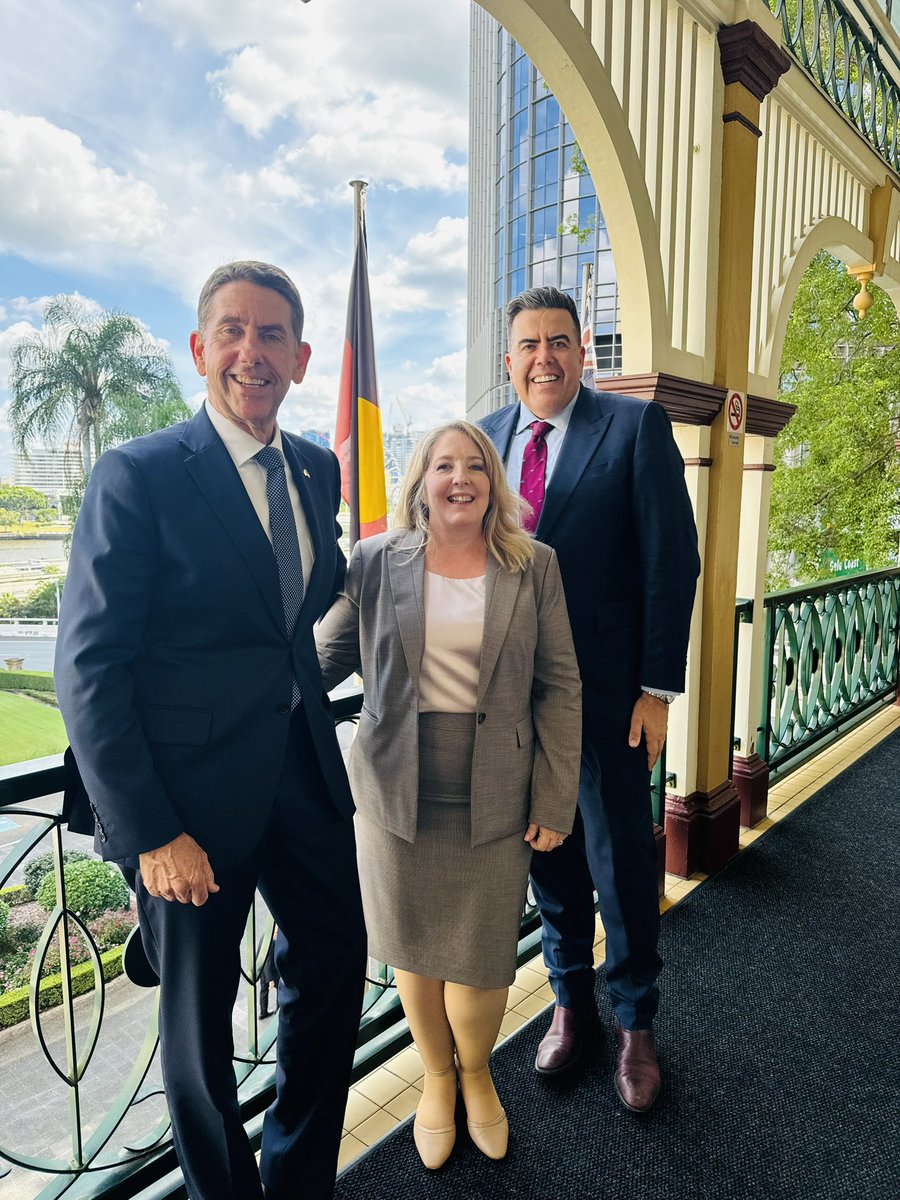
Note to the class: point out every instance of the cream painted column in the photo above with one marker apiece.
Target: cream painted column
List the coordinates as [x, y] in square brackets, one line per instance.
[681, 743]
[750, 774]
[702, 831]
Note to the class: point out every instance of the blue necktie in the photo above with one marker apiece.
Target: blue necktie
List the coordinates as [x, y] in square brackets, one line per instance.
[284, 542]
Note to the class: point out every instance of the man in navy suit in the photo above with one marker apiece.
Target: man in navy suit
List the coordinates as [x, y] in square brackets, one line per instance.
[610, 488]
[191, 691]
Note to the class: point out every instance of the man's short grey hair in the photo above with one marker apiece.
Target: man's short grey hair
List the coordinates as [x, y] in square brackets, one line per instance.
[260, 273]
[538, 298]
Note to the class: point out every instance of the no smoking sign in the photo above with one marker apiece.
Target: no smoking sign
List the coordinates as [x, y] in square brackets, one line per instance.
[735, 416]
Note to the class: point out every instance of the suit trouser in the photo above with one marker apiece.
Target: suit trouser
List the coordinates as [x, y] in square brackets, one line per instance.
[612, 850]
[305, 869]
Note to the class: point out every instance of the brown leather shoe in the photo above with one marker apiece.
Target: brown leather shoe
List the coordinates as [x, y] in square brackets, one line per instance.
[637, 1075]
[563, 1042]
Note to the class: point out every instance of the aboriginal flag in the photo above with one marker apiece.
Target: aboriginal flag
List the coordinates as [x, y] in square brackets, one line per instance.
[358, 440]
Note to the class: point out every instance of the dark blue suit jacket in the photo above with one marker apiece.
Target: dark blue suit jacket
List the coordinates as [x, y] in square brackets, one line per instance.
[618, 514]
[173, 668]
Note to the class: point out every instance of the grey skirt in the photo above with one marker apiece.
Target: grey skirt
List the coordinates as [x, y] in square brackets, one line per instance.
[439, 906]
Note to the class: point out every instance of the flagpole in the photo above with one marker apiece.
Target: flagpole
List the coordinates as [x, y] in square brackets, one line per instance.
[587, 272]
[359, 215]
[358, 440]
[588, 377]
[359, 206]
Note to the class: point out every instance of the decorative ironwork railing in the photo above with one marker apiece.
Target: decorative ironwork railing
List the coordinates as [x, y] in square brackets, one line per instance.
[832, 652]
[90, 1085]
[90, 1096]
[857, 69]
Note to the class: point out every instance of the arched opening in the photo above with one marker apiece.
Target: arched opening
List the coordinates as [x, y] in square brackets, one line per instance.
[558, 46]
[835, 490]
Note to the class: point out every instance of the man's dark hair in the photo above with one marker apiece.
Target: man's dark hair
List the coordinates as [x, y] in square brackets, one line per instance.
[537, 298]
[260, 273]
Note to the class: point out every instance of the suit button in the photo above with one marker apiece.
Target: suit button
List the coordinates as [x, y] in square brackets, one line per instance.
[285, 708]
[481, 717]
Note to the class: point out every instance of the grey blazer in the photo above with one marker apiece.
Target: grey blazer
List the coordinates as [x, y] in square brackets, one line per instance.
[528, 724]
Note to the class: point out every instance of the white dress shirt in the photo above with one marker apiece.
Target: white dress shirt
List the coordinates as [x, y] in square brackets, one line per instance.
[243, 447]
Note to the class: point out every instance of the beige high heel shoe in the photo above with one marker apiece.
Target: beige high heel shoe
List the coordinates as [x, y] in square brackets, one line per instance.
[434, 1145]
[491, 1137]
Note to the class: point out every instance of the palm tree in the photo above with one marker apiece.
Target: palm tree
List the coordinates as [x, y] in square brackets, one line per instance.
[94, 375]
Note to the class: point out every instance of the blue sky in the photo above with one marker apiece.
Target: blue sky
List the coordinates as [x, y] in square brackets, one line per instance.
[143, 142]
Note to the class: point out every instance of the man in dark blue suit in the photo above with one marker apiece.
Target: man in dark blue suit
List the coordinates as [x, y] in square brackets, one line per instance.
[191, 691]
[606, 476]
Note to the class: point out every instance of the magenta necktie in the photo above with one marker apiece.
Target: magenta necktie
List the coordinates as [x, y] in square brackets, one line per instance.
[534, 472]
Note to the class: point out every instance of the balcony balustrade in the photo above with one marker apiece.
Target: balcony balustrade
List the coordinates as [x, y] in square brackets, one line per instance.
[832, 654]
[858, 69]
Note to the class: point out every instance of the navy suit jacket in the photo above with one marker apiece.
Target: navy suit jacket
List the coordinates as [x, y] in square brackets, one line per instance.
[173, 667]
[618, 514]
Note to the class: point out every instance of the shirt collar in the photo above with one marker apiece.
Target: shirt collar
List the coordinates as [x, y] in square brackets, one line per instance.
[560, 421]
[241, 445]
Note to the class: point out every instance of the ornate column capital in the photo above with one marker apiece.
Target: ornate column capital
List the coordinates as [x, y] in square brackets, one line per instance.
[750, 57]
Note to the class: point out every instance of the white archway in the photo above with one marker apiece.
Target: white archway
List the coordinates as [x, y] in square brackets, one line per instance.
[556, 42]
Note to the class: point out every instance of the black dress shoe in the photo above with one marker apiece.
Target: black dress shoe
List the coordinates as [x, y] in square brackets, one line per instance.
[563, 1043]
[637, 1074]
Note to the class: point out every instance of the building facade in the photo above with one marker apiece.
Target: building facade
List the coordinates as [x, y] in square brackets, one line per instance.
[534, 218]
[48, 469]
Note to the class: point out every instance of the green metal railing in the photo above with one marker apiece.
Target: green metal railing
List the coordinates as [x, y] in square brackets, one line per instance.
[128, 1149]
[129, 1146]
[832, 653]
[855, 67]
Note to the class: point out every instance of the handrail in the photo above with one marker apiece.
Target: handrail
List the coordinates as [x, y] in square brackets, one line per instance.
[125, 1170]
[832, 651]
[858, 71]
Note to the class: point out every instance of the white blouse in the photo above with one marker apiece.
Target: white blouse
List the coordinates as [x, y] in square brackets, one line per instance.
[454, 625]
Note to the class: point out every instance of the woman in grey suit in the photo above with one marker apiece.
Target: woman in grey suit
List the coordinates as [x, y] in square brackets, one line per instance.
[465, 761]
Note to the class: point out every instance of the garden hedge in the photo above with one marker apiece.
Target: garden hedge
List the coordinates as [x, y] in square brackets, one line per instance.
[92, 888]
[15, 894]
[14, 1005]
[17, 681]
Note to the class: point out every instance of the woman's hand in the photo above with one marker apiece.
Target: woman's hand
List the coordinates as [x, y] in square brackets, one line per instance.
[541, 838]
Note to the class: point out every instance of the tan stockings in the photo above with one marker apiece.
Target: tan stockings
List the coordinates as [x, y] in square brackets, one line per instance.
[447, 1017]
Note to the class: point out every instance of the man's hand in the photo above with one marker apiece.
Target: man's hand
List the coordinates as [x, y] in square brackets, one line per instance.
[650, 716]
[179, 871]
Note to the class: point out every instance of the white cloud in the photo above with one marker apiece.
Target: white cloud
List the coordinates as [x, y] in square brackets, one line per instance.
[57, 201]
[223, 24]
[335, 43]
[238, 143]
[365, 96]
[428, 274]
[23, 306]
[8, 336]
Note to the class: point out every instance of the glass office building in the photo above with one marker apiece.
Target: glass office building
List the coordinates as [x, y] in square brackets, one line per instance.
[534, 218]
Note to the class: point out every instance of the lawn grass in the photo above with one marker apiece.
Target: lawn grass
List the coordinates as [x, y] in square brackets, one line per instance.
[28, 729]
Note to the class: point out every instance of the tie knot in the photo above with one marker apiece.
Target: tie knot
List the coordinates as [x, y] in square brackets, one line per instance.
[270, 458]
[539, 430]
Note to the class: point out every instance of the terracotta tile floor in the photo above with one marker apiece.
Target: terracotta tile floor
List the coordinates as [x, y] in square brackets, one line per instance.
[386, 1097]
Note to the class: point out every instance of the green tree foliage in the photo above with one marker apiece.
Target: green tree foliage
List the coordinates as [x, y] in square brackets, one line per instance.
[39, 602]
[4, 924]
[24, 504]
[836, 492]
[91, 375]
[92, 888]
[39, 867]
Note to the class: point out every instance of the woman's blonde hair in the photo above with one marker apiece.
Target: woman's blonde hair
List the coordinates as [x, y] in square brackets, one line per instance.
[502, 529]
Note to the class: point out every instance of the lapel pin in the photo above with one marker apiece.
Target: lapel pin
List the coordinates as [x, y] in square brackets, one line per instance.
[306, 473]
